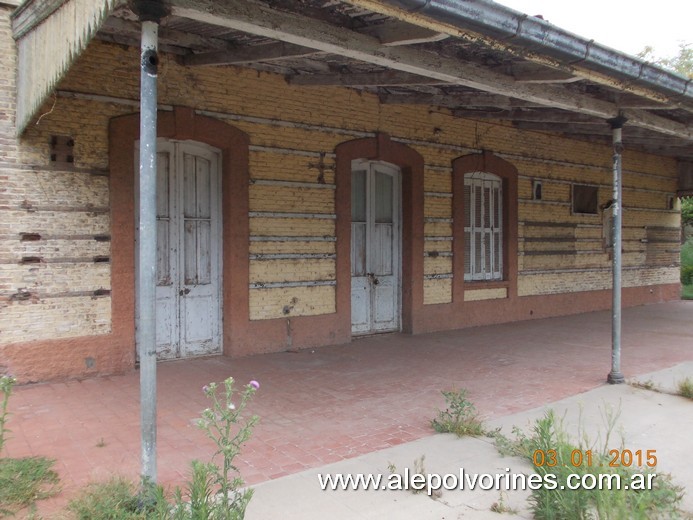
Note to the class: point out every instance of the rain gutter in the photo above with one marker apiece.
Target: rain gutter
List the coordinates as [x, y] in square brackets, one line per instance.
[534, 34]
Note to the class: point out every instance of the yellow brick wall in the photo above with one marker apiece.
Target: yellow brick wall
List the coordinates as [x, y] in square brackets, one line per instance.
[293, 132]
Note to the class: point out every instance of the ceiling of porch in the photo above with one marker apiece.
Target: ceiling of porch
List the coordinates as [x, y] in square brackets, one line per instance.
[404, 58]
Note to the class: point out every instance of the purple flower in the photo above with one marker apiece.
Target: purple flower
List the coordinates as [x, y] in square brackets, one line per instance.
[254, 384]
[205, 389]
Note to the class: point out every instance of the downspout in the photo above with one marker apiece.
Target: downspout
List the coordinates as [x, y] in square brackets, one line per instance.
[500, 22]
[150, 13]
[615, 376]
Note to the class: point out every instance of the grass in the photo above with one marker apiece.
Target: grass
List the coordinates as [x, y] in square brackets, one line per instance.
[24, 481]
[685, 388]
[412, 486]
[549, 435]
[645, 385]
[116, 498]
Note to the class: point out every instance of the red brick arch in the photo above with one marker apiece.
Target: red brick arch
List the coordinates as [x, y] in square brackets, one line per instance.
[411, 164]
[485, 162]
[181, 124]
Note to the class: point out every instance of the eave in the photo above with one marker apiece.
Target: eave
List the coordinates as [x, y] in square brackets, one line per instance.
[380, 46]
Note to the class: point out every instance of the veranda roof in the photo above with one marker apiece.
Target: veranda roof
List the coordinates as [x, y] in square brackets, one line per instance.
[476, 58]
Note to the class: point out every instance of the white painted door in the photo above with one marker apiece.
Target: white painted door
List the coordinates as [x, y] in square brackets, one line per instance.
[375, 247]
[188, 292]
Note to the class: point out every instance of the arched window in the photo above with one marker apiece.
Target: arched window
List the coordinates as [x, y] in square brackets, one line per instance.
[483, 226]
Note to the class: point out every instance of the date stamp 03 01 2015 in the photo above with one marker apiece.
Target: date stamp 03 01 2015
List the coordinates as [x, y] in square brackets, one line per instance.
[583, 458]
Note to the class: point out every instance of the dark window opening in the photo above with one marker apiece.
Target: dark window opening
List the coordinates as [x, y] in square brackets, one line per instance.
[536, 190]
[585, 199]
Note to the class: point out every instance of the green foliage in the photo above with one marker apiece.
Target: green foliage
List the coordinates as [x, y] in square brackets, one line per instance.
[687, 270]
[24, 481]
[460, 417]
[685, 388]
[681, 63]
[687, 253]
[214, 492]
[226, 424]
[687, 274]
[113, 500]
[6, 385]
[548, 433]
[687, 292]
[687, 211]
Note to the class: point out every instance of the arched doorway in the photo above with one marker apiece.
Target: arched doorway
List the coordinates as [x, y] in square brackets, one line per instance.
[375, 247]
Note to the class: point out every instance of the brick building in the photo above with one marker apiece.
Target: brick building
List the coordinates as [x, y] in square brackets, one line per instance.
[325, 169]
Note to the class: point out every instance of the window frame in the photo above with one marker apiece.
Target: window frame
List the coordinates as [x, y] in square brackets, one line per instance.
[489, 163]
[483, 225]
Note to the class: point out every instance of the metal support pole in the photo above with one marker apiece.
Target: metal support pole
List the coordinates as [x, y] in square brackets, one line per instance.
[615, 376]
[146, 249]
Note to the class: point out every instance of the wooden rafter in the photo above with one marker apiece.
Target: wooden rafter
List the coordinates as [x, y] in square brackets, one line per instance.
[629, 133]
[393, 33]
[269, 52]
[388, 78]
[545, 115]
[296, 29]
[527, 72]
[119, 26]
[460, 100]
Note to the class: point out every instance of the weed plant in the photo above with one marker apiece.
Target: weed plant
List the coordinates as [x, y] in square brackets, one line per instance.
[215, 490]
[459, 417]
[548, 434]
[685, 388]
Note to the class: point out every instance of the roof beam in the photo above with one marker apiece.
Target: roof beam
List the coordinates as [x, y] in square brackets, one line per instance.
[526, 72]
[454, 100]
[296, 29]
[629, 133]
[119, 26]
[394, 32]
[388, 78]
[631, 101]
[269, 52]
[134, 41]
[563, 128]
[543, 115]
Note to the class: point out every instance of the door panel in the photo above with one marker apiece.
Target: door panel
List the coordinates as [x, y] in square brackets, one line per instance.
[360, 286]
[200, 300]
[166, 295]
[381, 255]
[375, 248]
[360, 305]
[385, 311]
[188, 250]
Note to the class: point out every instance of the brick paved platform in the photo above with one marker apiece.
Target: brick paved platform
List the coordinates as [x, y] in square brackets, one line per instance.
[323, 405]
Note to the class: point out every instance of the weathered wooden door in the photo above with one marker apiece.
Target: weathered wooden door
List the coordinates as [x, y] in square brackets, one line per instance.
[375, 247]
[188, 293]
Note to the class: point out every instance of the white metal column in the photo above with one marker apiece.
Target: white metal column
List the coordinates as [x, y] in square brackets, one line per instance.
[615, 376]
[150, 13]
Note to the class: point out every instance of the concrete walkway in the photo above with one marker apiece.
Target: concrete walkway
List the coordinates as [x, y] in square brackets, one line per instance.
[648, 420]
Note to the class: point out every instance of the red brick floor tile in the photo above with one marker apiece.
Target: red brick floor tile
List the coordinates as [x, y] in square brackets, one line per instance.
[327, 404]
